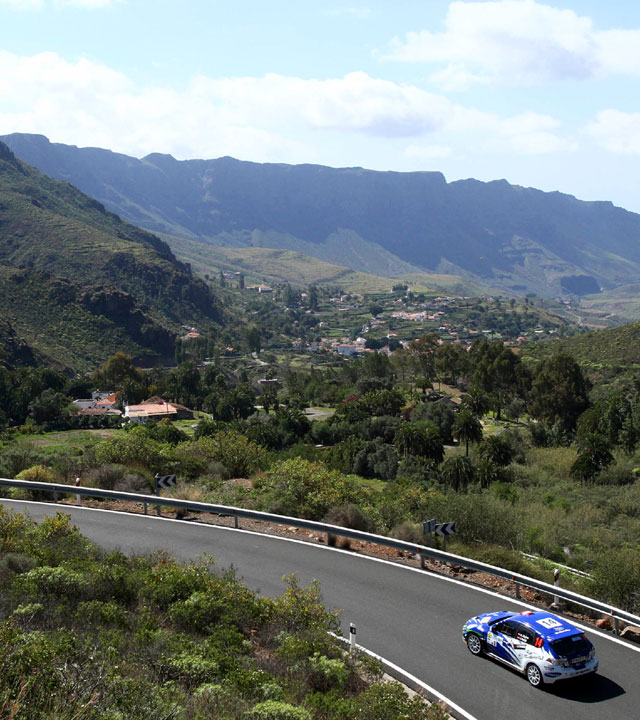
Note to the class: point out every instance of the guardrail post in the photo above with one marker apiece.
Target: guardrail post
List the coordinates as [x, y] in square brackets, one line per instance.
[78, 497]
[616, 624]
[556, 581]
[423, 563]
[146, 508]
[517, 584]
[235, 519]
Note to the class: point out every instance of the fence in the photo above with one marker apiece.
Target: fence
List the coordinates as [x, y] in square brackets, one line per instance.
[421, 551]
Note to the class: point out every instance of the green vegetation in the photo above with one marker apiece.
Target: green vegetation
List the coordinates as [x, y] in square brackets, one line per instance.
[95, 635]
[76, 280]
[522, 458]
[610, 357]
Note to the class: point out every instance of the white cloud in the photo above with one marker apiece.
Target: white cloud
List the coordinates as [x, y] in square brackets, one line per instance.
[270, 118]
[617, 131]
[518, 41]
[355, 102]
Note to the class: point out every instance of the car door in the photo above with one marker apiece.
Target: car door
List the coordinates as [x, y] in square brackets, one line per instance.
[501, 640]
[523, 644]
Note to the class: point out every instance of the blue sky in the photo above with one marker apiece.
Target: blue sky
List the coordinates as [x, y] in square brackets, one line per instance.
[544, 94]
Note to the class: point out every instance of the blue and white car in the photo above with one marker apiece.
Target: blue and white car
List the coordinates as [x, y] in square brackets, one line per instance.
[544, 647]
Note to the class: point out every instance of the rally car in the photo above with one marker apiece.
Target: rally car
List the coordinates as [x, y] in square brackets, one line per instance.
[544, 647]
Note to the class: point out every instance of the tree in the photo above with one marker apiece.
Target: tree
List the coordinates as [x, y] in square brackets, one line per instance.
[467, 428]
[457, 471]
[594, 455]
[423, 350]
[559, 391]
[254, 339]
[117, 368]
[49, 406]
[477, 401]
[497, 450]
[313, 297]
[383, 402]
[420, 439]
[451, 362]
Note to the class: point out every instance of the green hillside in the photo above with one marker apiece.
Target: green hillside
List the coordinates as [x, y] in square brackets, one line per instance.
[88, 282]
[262, 264]
[610, 356]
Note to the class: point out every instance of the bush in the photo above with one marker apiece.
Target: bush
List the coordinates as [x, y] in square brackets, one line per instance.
[17, 563]
[350, 516]
[304, 489]
[41, 474]
[616, 578]
[238, 455]
[408, 532]
[276, 710]
[57, 581]
[385, 700]
[106, 476]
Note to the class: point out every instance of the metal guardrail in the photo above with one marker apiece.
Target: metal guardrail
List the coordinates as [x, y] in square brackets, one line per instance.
[616, 614]
[573, 571]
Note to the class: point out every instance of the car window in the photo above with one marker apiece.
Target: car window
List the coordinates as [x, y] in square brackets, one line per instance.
[525, 635]
[508, 628]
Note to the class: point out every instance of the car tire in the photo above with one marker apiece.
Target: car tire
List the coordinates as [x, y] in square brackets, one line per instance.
[474, 643]
[534, 676]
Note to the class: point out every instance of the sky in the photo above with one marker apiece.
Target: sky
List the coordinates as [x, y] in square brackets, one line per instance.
[544, 95]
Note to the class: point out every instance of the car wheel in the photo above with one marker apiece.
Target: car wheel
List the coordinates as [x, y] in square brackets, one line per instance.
[474, 643]
[534, 676]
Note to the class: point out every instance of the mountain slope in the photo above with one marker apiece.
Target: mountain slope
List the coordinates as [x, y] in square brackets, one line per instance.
[387, 223]
[76, 282]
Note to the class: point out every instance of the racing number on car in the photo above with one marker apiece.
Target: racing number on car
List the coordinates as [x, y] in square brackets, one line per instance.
[491, 639]
[549, 623]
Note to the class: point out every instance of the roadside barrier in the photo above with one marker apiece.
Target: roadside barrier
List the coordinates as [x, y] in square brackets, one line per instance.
[615, 614]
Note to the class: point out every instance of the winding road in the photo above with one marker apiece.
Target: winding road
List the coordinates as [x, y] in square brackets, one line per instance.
[411, 617]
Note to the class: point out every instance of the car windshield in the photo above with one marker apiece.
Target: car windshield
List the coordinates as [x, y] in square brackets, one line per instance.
[569, 646]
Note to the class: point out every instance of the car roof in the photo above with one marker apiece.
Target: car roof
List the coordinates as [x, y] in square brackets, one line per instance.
[550, 626]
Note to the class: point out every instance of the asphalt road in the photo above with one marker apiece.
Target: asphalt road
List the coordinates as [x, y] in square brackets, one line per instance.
[411, 617]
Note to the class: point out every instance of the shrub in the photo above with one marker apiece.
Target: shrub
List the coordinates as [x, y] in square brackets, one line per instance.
[408, 532]
[385, 700]
[106, 476]
[190, 668]
[18, 457]
[167, 582]
[326, 673]
[41, 474]
[616, 578]
[238, 455]
[57, 581]
[298, 487]
[104, 613]
[277, 710]
[17, 563]
[350, 516]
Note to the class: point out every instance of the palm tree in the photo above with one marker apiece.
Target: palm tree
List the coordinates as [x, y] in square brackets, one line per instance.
[420, 439]
[457, 471]
[467, 427]
[497, 450]
[477, 401]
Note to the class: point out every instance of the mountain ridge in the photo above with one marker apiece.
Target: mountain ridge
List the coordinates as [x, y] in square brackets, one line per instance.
[514, 239]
